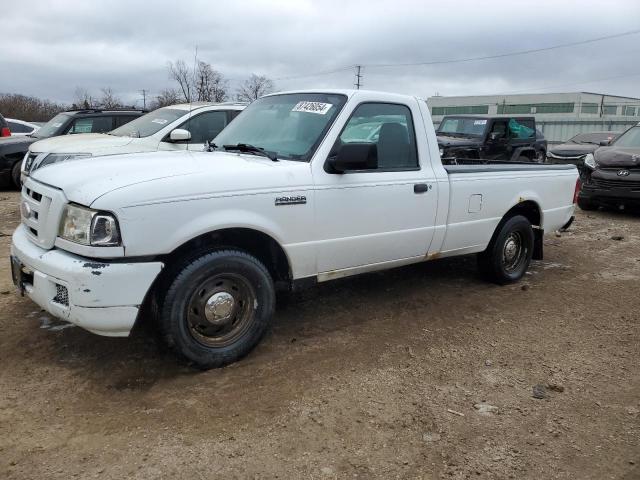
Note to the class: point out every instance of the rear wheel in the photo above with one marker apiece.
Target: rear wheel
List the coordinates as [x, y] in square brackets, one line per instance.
[541, 156]
[586, 204]
[508, 255]
[217, 308]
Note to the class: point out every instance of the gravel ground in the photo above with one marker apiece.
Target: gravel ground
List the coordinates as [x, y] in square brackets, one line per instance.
[420, 372]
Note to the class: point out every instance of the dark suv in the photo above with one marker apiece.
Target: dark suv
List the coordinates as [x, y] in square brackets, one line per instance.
[611, 175]
[13, 149]
[489, 138]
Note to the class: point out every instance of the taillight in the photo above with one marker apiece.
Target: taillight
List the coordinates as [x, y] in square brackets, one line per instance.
[577, 190]
[5, 132]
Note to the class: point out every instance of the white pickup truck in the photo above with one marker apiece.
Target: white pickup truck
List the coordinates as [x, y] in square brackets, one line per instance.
[302, 187]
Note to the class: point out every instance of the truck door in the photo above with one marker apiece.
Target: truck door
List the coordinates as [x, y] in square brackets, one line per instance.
[497, 144]
[385, 214]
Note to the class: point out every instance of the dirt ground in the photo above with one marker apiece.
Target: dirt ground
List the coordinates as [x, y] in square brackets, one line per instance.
[420, 372]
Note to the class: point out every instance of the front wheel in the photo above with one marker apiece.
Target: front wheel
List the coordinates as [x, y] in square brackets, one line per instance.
[15, 175]
[217, 308]
[508, 255]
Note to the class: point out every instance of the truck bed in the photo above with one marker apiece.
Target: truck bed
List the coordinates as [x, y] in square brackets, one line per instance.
[468, 165]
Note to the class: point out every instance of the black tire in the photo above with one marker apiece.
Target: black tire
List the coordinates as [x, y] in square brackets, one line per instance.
[508, 255]
[541, 156]
[188, 321]
[586, 205]
[15, 175]
[523, 158]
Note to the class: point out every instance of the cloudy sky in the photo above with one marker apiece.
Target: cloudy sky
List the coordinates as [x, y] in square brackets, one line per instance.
[52, 47]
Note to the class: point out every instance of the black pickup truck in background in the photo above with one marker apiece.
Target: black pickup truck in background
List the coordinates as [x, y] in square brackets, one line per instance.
[495, 137]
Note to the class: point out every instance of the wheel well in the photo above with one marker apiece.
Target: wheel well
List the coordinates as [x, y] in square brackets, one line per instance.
[254, 242]
[528, 209]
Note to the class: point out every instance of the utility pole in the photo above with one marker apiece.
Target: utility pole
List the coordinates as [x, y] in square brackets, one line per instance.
[358, 84]
[144, 98]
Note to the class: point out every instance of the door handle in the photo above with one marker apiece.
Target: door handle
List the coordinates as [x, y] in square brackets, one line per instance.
[421, 188]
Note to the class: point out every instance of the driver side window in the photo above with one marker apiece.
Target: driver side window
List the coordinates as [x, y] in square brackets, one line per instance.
[390, 128]
[499, 130]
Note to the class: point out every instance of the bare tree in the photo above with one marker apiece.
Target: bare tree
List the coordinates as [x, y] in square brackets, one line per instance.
[209, 84]
[109, 99]
[81, 98]
[254, 87]
[30, 109]
[179, 72]
[168, 96]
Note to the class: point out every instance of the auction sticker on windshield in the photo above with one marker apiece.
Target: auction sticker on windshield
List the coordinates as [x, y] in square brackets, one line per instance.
[480, 122]
[312, 107]
[161, 121]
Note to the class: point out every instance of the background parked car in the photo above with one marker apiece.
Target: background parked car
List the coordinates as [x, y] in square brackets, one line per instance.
[13, 149]
[20, 128]
[575, 149]
[178, 127]
[4, 128]
[612, 173]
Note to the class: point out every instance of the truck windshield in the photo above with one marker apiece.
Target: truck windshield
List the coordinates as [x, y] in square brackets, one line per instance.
[629, 139]
[52, 127]
[149, 124]
[291, 126]
[471, 127]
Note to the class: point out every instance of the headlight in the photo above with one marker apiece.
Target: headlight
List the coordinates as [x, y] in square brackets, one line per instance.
[441, 152]
[590, 162]
[61, 157]
[89, 227]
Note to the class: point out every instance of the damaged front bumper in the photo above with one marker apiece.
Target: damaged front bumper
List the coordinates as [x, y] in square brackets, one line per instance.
[102, 297]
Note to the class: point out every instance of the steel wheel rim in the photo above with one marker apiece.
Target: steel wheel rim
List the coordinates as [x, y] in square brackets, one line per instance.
[221, 310]
[513, 252]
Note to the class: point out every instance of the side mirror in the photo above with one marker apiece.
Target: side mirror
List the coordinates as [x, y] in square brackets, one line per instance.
[354, 156]
[180, 135]
[605, 143]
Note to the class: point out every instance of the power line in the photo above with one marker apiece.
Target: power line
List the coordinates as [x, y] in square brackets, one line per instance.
[509, 54]
[530, 90]
[316, 74]
[463, 60]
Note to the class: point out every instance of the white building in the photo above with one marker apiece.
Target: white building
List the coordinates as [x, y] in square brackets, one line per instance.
[559, 115]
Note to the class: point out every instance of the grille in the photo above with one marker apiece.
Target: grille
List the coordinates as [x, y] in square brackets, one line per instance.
[62, 295]
[608, 184]
[566, 157]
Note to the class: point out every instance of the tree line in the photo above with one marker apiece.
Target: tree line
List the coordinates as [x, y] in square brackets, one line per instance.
[203, 83]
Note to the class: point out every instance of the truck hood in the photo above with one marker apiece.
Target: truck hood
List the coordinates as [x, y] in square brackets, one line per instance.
[573, 149]
[81, 143]
[163, 176]
[447, 141]
[618, 157]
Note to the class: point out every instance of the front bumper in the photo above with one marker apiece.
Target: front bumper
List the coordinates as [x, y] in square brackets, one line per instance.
[101, 297]
[606, 187]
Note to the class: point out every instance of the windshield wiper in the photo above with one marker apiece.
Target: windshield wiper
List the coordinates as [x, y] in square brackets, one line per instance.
[247, 148]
